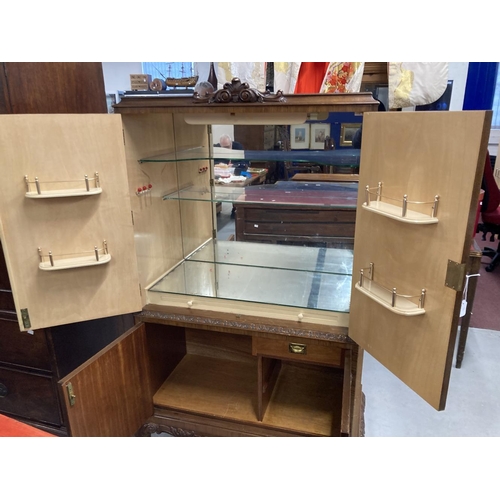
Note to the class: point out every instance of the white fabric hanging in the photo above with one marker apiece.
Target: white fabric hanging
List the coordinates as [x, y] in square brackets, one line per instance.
[253, 73]
[285, 76]
[416, 83]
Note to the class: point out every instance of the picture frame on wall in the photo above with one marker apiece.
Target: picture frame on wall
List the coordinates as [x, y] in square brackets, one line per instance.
[319, 132]
[299, 136]
[347, 131]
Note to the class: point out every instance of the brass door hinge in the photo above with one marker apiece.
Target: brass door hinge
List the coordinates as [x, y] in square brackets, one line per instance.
[455, 276]
[26, 318]
[71, 394]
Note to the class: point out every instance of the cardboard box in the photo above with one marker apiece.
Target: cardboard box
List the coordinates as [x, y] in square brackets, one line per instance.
[140, 82]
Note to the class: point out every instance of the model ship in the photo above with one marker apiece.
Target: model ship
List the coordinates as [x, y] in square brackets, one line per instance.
[188, 81]
[183, 81]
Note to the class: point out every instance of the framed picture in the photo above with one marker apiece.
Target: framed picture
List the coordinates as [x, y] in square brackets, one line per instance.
[347, 131]
[299, 136]
[319, 132]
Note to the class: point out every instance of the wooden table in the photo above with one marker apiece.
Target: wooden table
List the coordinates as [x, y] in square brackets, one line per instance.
[326, 177]
[258, 176]
[297, 212]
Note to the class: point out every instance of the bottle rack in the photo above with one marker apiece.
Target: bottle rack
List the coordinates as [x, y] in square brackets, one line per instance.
[51, 262]
[389, 298]
[399, 211]
[89, 186]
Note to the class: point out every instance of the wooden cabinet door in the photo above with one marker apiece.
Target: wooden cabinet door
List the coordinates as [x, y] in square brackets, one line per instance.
[421, 155]
[111, 394]
[60, 150]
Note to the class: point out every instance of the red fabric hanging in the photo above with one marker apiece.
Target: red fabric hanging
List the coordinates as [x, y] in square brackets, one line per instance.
[310, 79]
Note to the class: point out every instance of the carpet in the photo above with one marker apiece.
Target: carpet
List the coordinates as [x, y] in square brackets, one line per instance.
[486, 308]
[10, 427]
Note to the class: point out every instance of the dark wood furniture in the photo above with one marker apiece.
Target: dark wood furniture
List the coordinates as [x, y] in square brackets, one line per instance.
[326, 177]
[328, 220]
[31, 363]
[473, 267]
[40, 87]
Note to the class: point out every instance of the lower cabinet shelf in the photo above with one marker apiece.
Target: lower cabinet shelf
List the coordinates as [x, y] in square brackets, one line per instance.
[211, 386]
[306, 398]
[218, 394]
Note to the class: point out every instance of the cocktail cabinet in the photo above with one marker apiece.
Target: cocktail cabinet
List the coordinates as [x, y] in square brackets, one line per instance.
[105, 215]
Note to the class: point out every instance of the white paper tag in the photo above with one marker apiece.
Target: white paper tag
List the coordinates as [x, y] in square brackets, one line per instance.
[463, 308]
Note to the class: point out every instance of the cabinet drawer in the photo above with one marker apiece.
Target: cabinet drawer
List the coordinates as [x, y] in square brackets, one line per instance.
[29, 395]
[7, 301]
[306, 229]
[298, 349]
[23, 348]
[294, 215]
[326, 222]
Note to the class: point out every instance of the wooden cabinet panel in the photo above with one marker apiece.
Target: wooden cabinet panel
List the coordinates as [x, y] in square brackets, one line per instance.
[53, 87]
[113, 390]
[29, 395]
[67, 226]
[4, 276]
[7, 301]
[418, 155]
[23, 348]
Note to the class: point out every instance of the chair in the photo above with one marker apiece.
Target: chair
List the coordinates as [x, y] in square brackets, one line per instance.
[490, 213]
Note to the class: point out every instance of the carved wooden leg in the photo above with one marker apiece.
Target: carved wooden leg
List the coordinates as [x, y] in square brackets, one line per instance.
[147, 429]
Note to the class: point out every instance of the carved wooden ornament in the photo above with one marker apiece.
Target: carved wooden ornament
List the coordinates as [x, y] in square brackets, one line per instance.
[238, 92]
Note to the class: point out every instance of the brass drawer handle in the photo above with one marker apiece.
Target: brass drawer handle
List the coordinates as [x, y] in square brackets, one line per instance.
[297, 348]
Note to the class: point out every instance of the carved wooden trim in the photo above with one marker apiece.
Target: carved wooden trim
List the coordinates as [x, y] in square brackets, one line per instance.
[237, 91]
[150, 428]
[178, 432]
[146, 315]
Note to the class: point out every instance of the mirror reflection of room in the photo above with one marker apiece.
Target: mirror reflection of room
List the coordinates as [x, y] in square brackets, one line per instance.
[312, 161]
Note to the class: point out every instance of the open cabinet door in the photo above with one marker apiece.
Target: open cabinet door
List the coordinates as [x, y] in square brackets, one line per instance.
[65, 218]
[110, 394]
[409, 267]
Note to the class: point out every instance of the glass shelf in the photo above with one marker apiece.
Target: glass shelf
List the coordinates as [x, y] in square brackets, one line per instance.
[336, 157]
[260, 255]
[320, 194]
[323, 282]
